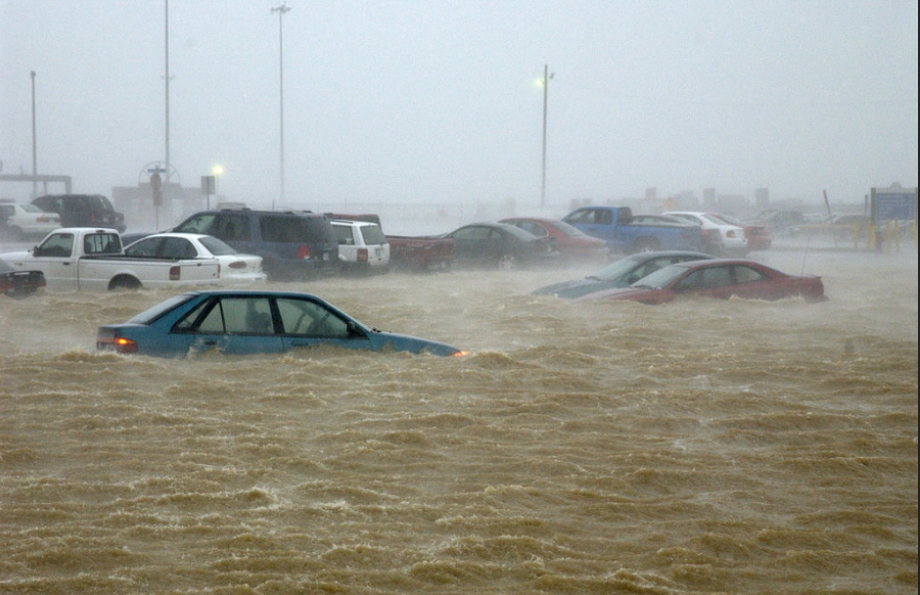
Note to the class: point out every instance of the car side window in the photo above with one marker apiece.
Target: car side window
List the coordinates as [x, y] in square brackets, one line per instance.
[745, 274]
[707, 278]
[234, 228]
[232, 314]
[603, 217]
[307, 318]
[345, 235]
[58, 245]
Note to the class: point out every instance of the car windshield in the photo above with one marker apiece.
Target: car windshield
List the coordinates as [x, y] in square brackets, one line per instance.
[30, 208]
[713, 219]
[150, 315]
[662, 277]
[614, 271]
[217, 247]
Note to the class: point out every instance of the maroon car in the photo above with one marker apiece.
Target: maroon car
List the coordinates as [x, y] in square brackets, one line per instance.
[717, 278]
[572, 243]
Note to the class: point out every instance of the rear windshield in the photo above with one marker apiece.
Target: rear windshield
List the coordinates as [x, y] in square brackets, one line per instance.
[373, 235]
[150, 315]
[98, 202]
[215, 246]
[296, 230]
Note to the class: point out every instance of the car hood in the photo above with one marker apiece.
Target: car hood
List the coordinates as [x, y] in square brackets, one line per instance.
[578, 288]
[624, 293]
[397, 342]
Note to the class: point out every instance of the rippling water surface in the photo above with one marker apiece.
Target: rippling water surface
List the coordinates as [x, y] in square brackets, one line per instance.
[699, 447]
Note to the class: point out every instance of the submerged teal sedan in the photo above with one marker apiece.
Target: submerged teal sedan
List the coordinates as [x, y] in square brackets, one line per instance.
[250, 322]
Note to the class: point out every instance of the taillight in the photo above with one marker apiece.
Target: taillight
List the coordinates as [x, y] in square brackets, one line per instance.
[92, 217]
[175, 273]
[120, 344]
[303, 252]
[362, 254]
[239, 264]
[123, 345]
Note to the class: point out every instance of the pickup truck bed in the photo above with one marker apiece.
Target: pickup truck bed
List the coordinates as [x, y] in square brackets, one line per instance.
[421, 253]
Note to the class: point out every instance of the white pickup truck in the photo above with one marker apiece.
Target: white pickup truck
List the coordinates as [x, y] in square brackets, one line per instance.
[91, 259]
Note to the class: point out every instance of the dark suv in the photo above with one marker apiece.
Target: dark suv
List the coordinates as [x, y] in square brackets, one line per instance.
[293, 245]
[82, 210]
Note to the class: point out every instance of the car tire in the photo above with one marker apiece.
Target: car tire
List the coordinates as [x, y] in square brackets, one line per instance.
[508, 262]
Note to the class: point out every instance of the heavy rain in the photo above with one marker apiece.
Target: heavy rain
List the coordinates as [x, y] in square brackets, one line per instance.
[699, 446]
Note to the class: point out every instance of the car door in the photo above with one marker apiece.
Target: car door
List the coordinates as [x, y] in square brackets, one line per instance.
[237, 324]
[471, 241]
[55, 258]
[306, 323]
[752, 284]
[713, 281]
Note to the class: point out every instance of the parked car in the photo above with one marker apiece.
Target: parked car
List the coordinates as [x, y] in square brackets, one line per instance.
[617, 227]
[716, 278]
[234, 267]
[621, 273]
[573, 244]
[82, 210]
[249, 322]
[19, 284]
[501, 245]
[758, 236]
[718, 236]
[19, 221]
[362, 246]
[414, 253]
[92, 259]
[294, 245]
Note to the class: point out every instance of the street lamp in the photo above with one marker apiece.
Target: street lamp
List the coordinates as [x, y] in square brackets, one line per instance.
[281, 10]
[544, 82]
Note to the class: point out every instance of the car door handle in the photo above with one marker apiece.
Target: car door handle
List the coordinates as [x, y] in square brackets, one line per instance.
[66, 264]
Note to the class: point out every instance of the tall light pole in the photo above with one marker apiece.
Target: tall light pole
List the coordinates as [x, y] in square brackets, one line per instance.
[166, 2]
[546, 77]
[34, 150]
[281, 10]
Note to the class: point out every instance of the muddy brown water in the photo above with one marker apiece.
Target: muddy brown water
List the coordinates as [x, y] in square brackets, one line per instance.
[696, 447]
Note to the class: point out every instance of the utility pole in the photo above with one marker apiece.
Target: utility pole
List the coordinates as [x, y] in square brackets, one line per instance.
[281, 10]
[166, 2]
[34, 150]
[546, 76]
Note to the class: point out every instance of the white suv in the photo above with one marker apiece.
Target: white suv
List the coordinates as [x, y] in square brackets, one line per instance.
[362, 245]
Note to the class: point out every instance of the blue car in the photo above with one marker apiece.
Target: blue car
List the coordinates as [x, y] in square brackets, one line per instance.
[250, 322]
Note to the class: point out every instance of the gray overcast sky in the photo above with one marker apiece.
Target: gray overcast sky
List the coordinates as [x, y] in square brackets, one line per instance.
[421, 100]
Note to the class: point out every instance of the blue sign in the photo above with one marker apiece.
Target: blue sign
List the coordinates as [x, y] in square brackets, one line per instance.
[895, 206]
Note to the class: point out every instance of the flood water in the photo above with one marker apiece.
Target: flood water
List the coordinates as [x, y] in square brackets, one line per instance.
[697, 447]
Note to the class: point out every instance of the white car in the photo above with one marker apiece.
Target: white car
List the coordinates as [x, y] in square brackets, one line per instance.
[21, 220]
[731, 237]
[362, 245]
[234, 266]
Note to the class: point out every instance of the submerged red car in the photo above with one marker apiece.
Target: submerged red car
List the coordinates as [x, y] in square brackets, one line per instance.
[572, 243]
[717, 278]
